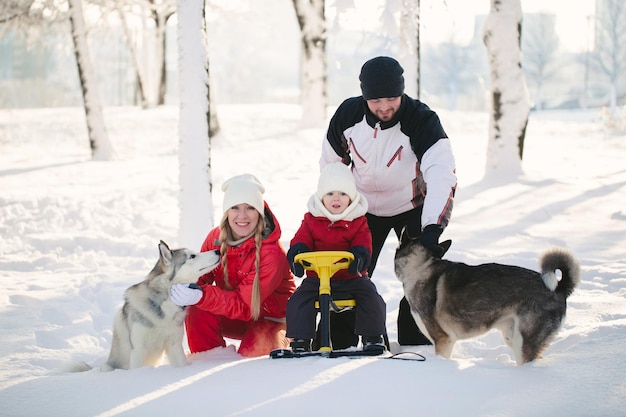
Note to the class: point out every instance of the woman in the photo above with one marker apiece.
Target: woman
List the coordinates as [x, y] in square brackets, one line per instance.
[245, 298]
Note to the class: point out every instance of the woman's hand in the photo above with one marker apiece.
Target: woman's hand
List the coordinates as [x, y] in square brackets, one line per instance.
[185, 294]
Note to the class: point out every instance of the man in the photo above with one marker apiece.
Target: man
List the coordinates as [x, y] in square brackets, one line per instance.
[403, 164]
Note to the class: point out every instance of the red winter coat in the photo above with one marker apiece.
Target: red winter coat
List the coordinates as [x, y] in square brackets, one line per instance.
[277, 282]
[319, 233]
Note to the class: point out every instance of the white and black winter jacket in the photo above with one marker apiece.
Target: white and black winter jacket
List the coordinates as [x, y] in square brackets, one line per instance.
[397, 165]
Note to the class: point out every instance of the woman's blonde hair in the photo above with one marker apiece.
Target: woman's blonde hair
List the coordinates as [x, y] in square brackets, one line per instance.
[225, 235]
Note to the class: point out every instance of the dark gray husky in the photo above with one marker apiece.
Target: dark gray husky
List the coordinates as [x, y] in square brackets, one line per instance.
[451, 301]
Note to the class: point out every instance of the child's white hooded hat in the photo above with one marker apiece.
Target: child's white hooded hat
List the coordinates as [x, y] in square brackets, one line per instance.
[336, 177]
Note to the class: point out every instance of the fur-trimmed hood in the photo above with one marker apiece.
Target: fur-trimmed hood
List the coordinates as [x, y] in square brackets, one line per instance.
[357, 208]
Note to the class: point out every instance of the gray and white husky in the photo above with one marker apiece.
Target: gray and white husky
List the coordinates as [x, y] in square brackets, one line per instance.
[149, 323]
[451, 301]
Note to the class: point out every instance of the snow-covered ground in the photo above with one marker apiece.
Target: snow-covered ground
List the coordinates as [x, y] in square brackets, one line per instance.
[75, 233]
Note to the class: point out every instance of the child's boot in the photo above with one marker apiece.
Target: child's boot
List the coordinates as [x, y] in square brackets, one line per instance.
[373, 344]
[301, 345]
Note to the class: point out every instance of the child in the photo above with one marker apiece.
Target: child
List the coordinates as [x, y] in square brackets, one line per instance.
[335, 222]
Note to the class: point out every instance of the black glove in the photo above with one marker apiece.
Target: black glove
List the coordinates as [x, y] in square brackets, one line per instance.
[296, 268]
[361, 260]
[430, 239]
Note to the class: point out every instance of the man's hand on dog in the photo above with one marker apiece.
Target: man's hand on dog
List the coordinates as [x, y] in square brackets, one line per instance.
[430, 239]
[185, 294]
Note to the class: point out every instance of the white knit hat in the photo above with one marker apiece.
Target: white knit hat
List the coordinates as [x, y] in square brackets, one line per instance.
[244, 188]
[336, 177]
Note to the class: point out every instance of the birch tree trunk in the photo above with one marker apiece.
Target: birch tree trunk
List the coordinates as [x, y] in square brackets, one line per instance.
[101, 148]
[409, 55]
[134, 55]
[510, 104]
[161, 73]
[160, 12]
[214, 124]
[195, 202]
[312, 21]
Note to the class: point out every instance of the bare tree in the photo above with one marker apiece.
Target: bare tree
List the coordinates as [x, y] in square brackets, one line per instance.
[609, 56]
[134, 54]
[214, 124]
[14, 10]
[195, 202]
[161, 11]
[509, 97]
[540, 44]
[410, 45]
[101, 148]
[31, 15]
[151, 79]
[314, 99]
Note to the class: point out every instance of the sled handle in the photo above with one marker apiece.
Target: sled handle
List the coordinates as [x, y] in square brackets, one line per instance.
[325, 263]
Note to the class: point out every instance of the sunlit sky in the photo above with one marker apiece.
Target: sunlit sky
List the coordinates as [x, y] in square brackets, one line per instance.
[457, 17]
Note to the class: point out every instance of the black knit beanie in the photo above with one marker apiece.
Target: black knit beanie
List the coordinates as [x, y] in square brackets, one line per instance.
[381, 77]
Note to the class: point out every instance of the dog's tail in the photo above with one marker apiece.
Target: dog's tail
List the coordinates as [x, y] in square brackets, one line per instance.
[563, 260]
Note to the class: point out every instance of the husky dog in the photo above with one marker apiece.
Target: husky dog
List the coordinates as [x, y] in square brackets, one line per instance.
[149, 323]
[451, 301]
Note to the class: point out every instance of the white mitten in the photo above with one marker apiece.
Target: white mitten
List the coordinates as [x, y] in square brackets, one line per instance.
[185, 294]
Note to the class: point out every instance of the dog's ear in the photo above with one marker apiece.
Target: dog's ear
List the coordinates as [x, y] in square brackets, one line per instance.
[165, 253]
[404, 237]
[445, 245]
